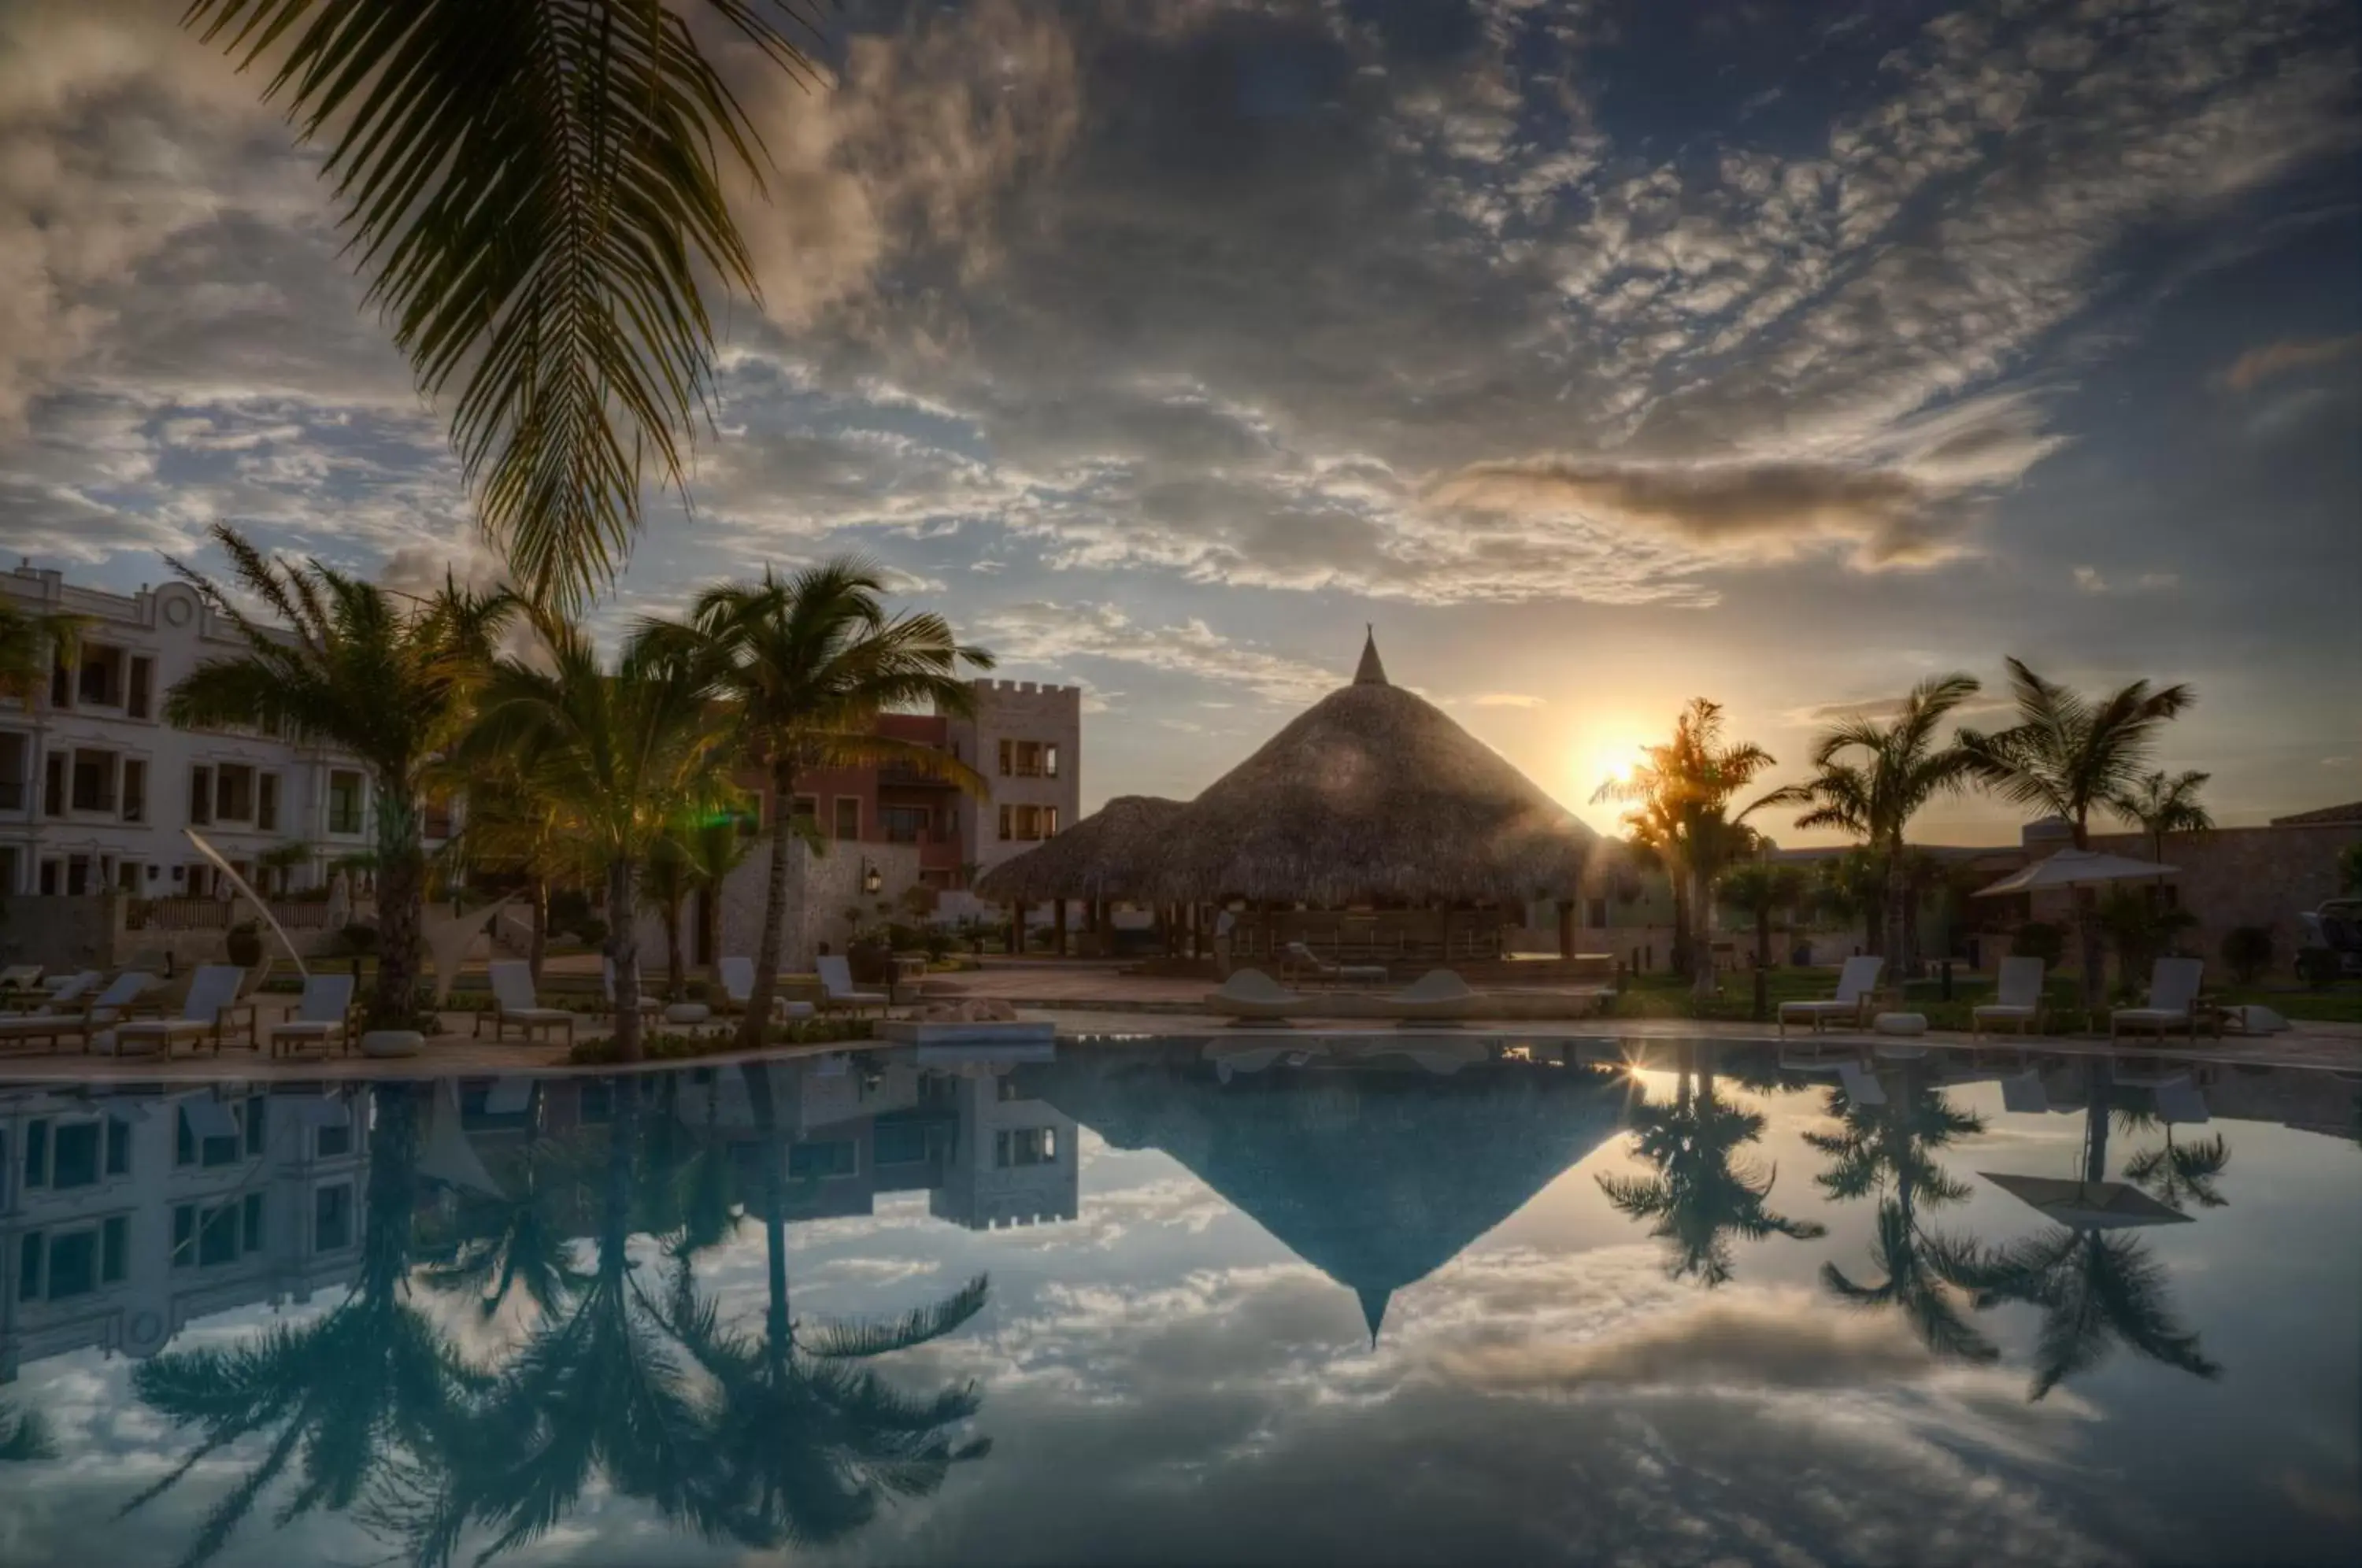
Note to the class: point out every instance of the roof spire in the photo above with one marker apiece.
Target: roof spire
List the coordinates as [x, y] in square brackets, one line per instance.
[1372, 672]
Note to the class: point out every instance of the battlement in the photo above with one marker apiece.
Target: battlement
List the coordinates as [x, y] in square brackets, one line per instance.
[1026, 689]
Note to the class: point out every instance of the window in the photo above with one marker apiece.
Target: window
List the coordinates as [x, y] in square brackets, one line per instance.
[184, 1235]
[898, 1142]
[1020, 1146]
[1049, 822]
[904, 825]
[233, 792]
[1007, 754]
[344, 802]
[61, 1265]
[1029, 759]
[1028, 822]
[99, 682]
[332, 1143]
[53, 785]
[143, 679]
[814, 1161]
[118, 1146]
[848, 818]
[807, 807]
[93, 780]
[28, 1266]
[74, 1156]
[1049, 759]
[266, 803]
[1595, 915]
[209, 1236]
[332, 1218]
[250, 1223]
[12, 775]
[216, 1145]
[201, 796]
[114, 1244]
[1008, 824]
[134, 790]
[256, 1110]
[37, 1153]
[74, 1265]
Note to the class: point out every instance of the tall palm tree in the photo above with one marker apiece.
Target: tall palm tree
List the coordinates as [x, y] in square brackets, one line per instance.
[2067, 756]
[717, 846]
[2163, 803]
[1889, 1150]
[618, 754]
[535, 191]
[1681, 796]
[667, 881]
[392, 681]
[369, 1385]
[32, 644]
[1762, 890]
[806, 663]
[2178, 1175]
[518, 1242]
[514, 831]
[1704, 1191]
[1870, 779]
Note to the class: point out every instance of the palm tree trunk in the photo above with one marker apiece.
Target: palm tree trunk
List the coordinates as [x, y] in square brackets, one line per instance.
[751, 1027]
[2098, 1081]
[401, 895]
[1678, 960]
[624, 947]
[1702, 942]
[537, 946]
[672, 946]
[775, 1200]
[1898, 899]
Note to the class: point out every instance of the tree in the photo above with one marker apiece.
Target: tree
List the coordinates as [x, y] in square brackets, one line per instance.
[2163, 803]
[1870, 779]
[807, 664]
[1851, 888]
[717, 846]
[2178, 1175]
[388, 680]
[617, 754]
[1680, 795]
[534, 191]
[513, 831]
[31, 645]
[1704, 1189]
[24, 1435]
[667, 879]
[2067, 756]
[1761, 890]
[2349, 869]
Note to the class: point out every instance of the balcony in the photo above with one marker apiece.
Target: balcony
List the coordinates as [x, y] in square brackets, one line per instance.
[907, 776]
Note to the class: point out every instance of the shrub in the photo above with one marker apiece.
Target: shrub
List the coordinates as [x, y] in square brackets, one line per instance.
[360, 940]
[590, 930]
[668, 1045]
[2039, 939]
[2247, 949]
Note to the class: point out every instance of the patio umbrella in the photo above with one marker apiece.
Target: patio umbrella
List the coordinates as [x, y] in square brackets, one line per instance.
[2069, 870]
[2086, 1205]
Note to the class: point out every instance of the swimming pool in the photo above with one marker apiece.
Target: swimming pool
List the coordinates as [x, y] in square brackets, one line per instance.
[1421, 1299]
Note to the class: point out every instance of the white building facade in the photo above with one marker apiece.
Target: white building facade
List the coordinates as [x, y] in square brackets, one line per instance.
[95, 788]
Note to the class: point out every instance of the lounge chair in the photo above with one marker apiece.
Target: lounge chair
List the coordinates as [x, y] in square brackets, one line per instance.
[64, 991]
[212, 994]
[1301, 959]
[2017, 999]
[49, 1026]
[1857, 990]
[648, 1003]
[2172, 999]
[1436, 998]
[514, 1003]
[323, 1016]
[836, 987]
[18, 978]
[1860, 1084]
[1250, 996]
[738, 977]
[123, 997]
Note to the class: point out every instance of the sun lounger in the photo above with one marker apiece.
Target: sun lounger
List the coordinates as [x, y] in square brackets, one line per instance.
[2172, 999]
[1436, 998]
[2017, 999]
[63, 993]
[513, 1002]
[213, 993]
[1250, 996]
[49, 1026]
[1300, 958]
[122, 995]
[737, 976]
[323, 1017]
[18, 980]
[1857, 987]
[836, 987]
[648, 1003]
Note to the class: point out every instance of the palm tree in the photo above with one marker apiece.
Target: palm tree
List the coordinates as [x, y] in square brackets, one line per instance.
[667, 879]
[808, 662]
[617, 754]
[391, 682]
[2067, 756]
[535, 193]
[24, 1435]
[366, 1387]
[717, 846]
[519, 1241]
[514, 831]
[1888, 1150]
[1870, 779]
[33, 643]
[1681, 797]
[2178, 1175]
[1762, 890]
[1703, 1191]
[2163, 803]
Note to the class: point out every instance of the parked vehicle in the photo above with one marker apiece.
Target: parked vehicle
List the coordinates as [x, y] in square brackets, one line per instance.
[2332, 942]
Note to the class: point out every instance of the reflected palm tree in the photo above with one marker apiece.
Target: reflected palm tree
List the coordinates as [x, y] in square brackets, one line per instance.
[516, 1242]
[597, 1390]
[1889, 1150]
[2096, 1288]
[369, 1385]
[1704, 1191]
[2178, 1175]
[24, 1435]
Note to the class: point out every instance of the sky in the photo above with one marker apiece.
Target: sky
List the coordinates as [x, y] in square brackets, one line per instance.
[1599, 355]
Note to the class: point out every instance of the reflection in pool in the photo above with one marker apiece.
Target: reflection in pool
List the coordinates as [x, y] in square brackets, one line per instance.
[1409, 1300]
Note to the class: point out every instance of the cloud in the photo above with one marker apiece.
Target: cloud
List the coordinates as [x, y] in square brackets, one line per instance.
[1505, 700]
[1052, 634]
[2287, 355]
[2089, 580]
[1760, 510]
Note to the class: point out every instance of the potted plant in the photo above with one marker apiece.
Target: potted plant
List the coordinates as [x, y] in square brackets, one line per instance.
[244, 941]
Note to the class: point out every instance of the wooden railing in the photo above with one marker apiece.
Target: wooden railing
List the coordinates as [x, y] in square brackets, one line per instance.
[220, 914]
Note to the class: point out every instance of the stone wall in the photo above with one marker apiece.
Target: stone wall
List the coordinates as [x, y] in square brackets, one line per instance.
[821, 888]
[2234, 876]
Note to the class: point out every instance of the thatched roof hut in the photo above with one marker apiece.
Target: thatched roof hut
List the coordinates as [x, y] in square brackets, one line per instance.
[1373, 794]
[1102, 856]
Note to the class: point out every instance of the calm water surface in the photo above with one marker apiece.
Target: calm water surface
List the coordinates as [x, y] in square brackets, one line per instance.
[1182, 1301]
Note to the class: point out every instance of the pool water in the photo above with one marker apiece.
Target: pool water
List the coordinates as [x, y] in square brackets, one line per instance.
[1441, 1299]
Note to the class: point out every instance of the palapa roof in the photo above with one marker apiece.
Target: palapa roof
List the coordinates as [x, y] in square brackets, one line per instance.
[1372, 793]
[1099, 857]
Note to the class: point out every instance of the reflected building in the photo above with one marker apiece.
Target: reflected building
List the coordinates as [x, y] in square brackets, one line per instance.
[1376, 1168]
[126, 1216]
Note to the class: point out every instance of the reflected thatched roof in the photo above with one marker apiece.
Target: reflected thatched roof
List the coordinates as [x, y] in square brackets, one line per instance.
[1102, 856]
[1374, 794]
